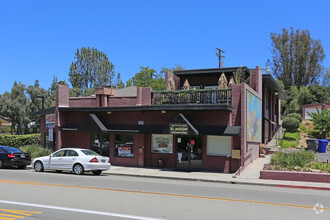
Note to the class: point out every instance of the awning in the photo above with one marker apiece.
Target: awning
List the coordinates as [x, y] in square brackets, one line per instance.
[181, 125]
[220, 130]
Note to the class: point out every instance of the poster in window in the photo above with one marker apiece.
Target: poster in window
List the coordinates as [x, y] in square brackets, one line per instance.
[162, 143]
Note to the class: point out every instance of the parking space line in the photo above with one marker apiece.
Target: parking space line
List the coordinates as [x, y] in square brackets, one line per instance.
[80, 210]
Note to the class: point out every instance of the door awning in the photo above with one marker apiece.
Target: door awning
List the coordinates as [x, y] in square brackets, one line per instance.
[92, 124]
[181, 125]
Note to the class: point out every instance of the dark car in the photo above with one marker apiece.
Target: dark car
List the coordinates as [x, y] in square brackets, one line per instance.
[11, 156]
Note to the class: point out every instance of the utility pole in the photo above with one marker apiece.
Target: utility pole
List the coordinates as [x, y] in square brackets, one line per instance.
[219, 55]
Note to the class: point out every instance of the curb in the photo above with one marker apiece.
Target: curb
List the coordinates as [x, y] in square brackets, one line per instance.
[223, 181]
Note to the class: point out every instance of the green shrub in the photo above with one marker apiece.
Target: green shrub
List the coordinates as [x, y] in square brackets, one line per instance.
[19, 140]
[290, 124]
[290, 140]
[294, 136]
[296, 116]
[293, 159]
[314, 133]
[36, 150]
[303, 128]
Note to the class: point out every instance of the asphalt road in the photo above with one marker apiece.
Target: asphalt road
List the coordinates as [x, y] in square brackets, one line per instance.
[26, 194]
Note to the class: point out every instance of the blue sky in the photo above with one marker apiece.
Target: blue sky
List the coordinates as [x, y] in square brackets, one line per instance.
[39, 38]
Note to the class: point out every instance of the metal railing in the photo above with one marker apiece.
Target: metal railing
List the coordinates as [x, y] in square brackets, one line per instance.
[196, 96]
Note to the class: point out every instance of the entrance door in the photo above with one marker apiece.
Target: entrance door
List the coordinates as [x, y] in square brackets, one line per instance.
[189, 152]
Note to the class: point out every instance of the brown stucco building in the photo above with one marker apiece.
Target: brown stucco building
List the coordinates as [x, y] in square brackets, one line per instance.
[208, 119]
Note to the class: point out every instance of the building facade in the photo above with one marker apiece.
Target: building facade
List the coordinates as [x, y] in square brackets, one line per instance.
[206, 119]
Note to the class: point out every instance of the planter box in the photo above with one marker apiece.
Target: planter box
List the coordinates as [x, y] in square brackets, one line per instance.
[295, 176]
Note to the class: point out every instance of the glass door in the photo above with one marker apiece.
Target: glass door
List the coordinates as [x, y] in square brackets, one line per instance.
[189, 152]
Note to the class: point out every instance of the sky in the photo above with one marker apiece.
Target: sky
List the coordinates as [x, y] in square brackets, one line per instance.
[38, 39]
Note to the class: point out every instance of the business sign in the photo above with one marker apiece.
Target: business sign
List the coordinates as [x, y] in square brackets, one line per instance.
[50, 121]
[176, 128]
[50, 135]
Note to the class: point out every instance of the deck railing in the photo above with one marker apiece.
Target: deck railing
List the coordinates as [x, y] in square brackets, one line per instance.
[197, 96]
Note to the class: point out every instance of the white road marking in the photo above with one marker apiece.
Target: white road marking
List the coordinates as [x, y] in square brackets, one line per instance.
[79, 210]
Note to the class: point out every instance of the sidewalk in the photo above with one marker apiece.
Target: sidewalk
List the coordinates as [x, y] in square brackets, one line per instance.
[250, 175]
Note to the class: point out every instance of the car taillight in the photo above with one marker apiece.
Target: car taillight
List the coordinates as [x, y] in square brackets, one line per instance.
[30, 156]
[11, 155]
[94, 160]
[109, 160]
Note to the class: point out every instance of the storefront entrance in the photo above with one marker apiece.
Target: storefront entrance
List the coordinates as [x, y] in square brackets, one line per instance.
[189, 152]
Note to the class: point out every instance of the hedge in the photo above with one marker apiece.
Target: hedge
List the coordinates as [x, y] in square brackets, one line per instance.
[19, 140]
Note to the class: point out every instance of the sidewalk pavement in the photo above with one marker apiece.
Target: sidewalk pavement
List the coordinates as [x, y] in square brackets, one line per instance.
[250, 175]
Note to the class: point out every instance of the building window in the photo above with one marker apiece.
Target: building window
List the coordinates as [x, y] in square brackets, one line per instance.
[100, 144]
[218, 145]
[124, 145]
[162, 143]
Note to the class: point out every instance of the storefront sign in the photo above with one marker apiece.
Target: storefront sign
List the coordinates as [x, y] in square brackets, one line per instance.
[50, 121]
[176, 128]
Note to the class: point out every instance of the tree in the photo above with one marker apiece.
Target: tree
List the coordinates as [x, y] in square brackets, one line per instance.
[91, 69]
[320, 94]
[119, 83]
[52, 92]
[34, 104]
[297, 57]
[172, 69]
[147, 78]
[321, 121]
[13, 106]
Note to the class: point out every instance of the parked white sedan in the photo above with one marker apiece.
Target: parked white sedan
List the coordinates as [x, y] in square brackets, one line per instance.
[77, 160]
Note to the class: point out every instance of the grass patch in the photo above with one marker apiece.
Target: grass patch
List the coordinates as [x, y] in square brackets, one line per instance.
[290, 140]
[36, 150]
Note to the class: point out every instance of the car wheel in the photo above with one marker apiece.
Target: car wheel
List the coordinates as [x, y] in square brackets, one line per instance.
[58, 171]
[1, 164]
[22, 167]
[97, 172]
[78, 169]
[38, 166]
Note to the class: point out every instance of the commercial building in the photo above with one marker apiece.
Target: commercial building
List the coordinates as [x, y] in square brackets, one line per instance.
[207, 119]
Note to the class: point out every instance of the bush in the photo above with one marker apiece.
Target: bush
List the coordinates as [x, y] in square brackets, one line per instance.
[19, 140]
[290, 124]
[314, 133]
[36, 150]
[296, 116]
[293, 159]
[303, 128]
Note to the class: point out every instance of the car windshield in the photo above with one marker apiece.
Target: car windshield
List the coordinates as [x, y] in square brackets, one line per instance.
[90, 152]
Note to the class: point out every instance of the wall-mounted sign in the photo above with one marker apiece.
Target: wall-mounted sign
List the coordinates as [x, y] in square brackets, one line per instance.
[235, 154]
[50, 134]
[176, 128]
[50, 121]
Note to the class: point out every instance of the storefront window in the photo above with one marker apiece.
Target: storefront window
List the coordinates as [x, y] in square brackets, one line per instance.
[218, 145]
[100, 144]
[162, 143]
[124, 145]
